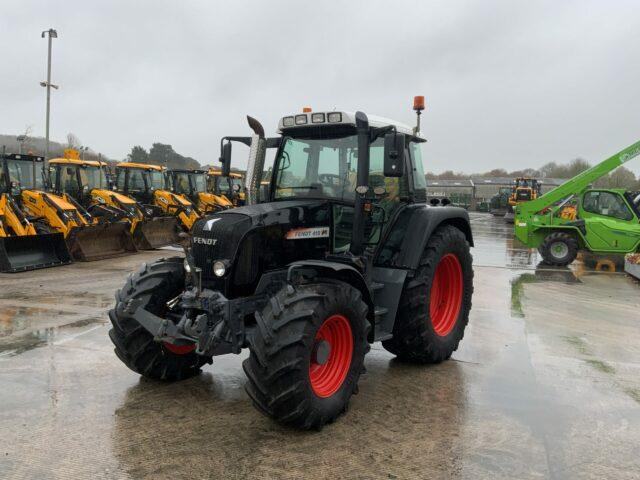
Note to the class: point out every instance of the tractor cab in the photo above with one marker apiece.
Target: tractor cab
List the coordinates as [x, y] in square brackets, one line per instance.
[78, 178]
[193, 185]
[148, 184]
[230, 186]
[139, 180]
[20, 172]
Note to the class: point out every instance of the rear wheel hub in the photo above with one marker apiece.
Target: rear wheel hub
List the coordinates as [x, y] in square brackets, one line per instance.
[446, 294]
[331, 356]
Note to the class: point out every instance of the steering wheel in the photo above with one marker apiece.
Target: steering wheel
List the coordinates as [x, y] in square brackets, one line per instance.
[329, 179]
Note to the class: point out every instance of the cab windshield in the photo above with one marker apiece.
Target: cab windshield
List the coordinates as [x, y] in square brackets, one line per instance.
[93, 177]
[236, 181]
[327, 168]
[199, 182]
[156, 180]
[219, 185]
[21, 173]
[181, 183]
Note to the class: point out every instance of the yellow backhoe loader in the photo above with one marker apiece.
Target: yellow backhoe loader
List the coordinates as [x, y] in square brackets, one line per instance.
[192, 185]
[146, 183]
[231, 187]
[26, 243]
[86, 182]
[86, 239]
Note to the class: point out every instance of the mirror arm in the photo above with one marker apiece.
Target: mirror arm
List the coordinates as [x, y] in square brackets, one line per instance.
[380, 131]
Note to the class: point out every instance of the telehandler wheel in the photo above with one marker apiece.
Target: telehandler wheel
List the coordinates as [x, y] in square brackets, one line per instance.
[559, 249]
[307, 353]
[435, 304]
[154, 285]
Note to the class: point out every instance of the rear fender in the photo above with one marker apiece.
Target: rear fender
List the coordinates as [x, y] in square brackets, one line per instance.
[403, 245]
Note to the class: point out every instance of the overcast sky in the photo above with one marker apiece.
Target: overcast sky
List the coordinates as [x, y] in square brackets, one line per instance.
[508, 84]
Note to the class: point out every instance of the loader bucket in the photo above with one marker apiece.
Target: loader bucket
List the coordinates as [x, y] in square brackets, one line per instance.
[156, 232]
[95, 242]
[30, 252]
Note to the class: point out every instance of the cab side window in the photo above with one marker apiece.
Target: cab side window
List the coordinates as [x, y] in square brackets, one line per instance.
[136, 181]
[607, 204]
[69, 180]
[120, 176]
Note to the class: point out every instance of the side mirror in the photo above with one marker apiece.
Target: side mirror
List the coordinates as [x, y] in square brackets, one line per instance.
[225, 159]
[394, 154]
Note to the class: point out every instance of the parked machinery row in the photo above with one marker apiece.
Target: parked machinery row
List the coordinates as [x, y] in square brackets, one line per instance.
[73, 211]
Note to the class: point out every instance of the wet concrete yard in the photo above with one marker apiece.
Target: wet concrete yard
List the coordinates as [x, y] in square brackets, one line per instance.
[546, 384]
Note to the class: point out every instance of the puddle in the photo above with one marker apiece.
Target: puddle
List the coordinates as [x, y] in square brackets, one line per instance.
[87, 299]
[45, 336]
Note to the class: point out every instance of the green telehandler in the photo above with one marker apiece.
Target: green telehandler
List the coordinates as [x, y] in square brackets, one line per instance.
[574, 217]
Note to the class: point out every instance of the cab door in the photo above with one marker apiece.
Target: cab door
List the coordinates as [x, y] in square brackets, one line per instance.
[609, 222]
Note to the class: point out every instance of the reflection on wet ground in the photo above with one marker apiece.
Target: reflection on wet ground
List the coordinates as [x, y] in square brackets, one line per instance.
[544, 385]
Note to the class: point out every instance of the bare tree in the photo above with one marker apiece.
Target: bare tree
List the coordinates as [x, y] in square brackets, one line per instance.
[73, 141]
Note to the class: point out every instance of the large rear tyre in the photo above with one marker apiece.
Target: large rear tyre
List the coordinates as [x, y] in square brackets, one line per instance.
[435, 304]
[559, 249]
[153, 286]
[307, 353]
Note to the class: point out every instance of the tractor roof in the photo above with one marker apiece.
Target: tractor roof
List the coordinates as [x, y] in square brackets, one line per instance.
[338, 118]
[144, 166]
[75, 161]
[217, 172]
[185, 170]
[22, 157]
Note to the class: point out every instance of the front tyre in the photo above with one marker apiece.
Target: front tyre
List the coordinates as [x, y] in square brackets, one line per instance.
[435, 303]
[559, 249]
[307, 353]
[153, 286]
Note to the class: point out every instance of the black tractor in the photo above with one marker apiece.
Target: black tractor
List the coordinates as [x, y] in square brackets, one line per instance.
[344, 252]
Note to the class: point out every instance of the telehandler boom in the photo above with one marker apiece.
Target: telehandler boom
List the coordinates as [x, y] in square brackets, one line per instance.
[599, 220]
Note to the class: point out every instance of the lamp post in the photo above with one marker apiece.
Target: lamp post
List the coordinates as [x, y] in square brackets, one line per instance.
[51, 33]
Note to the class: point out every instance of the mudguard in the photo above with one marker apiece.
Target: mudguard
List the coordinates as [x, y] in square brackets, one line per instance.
[413, 226]
[339, 271]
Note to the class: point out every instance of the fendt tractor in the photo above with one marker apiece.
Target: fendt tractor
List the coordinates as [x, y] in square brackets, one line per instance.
[86, 238]
[524, 189]
[86, 182]
[343, 253]
[574, 217]
[147, 184]
[192, 185]
[26, 241]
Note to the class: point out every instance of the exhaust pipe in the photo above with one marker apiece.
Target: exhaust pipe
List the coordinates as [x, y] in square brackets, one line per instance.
[362, 187]
[255, 165]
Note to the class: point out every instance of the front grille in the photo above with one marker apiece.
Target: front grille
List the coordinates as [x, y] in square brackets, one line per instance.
[226, 230]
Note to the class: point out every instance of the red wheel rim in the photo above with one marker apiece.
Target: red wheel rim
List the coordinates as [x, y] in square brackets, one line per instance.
[179, 349]
[446, 294]
[327, 379]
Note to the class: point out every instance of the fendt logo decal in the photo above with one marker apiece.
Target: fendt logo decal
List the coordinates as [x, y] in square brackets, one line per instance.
[303, 233]
[209, 225]
[205, 241]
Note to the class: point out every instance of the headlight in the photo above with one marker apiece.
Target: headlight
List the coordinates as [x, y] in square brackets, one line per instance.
[187, 267]
[287, 121]
[219, 268]
[334, 117]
